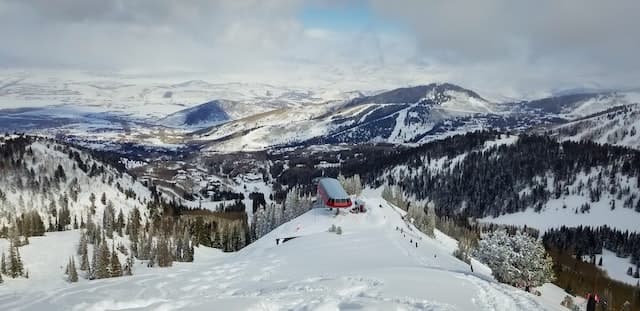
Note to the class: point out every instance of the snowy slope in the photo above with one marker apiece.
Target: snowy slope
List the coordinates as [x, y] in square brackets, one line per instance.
[405, 115]
[370, 266]
[617, 126]
[46, 158]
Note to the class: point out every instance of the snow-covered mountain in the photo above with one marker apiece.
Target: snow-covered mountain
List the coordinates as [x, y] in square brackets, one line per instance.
[60, 182]
[371, 265]
[143, 99]
[207, 114]
[249, 116]
[405, 115]
[575, 106]
[617, 126]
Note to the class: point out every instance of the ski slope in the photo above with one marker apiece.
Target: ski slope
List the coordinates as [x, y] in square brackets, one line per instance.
[370, 266]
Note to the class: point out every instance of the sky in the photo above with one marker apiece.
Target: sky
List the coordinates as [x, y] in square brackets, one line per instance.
[506, 47]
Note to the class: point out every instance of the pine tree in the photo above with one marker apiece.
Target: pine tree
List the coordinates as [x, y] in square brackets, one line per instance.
[84, 253]
[72, 272]
[82, 244]
[103, 199]
[3, 265]
[134, 224]
[120, 223]
[519, 260]
[15, 268]
[102, 263]
[116, 268]
[91, 273]
[163, 254]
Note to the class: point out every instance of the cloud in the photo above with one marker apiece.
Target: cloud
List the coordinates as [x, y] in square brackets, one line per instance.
[508, 47]
[562, 42]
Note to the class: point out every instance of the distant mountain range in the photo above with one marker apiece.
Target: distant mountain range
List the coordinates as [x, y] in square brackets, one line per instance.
[249, 117]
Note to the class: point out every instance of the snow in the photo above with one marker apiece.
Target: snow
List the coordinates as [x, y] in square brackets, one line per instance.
[370, 266]
[616, 267]
[552, 294]
[503, 140]
[45, 258]
[554, 216]
[47, 159]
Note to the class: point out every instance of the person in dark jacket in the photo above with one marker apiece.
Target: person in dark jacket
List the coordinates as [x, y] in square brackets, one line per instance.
[591, 302]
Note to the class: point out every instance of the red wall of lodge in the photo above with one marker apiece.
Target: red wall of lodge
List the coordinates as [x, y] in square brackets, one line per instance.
[325, 199]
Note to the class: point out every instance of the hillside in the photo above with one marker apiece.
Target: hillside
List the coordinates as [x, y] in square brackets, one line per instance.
[405, 115]
[203, 115]
[616, 126]
[64, 185]
[411, 115]
[370, 265]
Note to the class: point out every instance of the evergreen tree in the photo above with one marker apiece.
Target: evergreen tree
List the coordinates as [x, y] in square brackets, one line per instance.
[116, 268]
[134, 224]
[91, 274]
[72, 272]
[3, 265]
[163, 254]
[108, 221]
[518, 260]
[84, 260]
[120, 223]
[102, 263]
[82, 244]
[15, 268]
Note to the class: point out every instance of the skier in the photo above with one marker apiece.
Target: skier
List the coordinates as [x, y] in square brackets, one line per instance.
[416, 244]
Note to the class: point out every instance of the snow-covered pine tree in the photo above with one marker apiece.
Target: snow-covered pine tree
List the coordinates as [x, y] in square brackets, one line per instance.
[430, 219]
[91, 273]
[84, 257]
[82, 244]
[15, 267]
[290, 205]
[115, 267]
[163, 256]
[108, 219]
[3, 264]
[343, 181]
[357, 184]
[120, 223]
[72, 275]
[103, 261]
[519, 260]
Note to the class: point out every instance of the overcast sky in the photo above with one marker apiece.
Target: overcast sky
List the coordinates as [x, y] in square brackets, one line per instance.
[515, 48]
